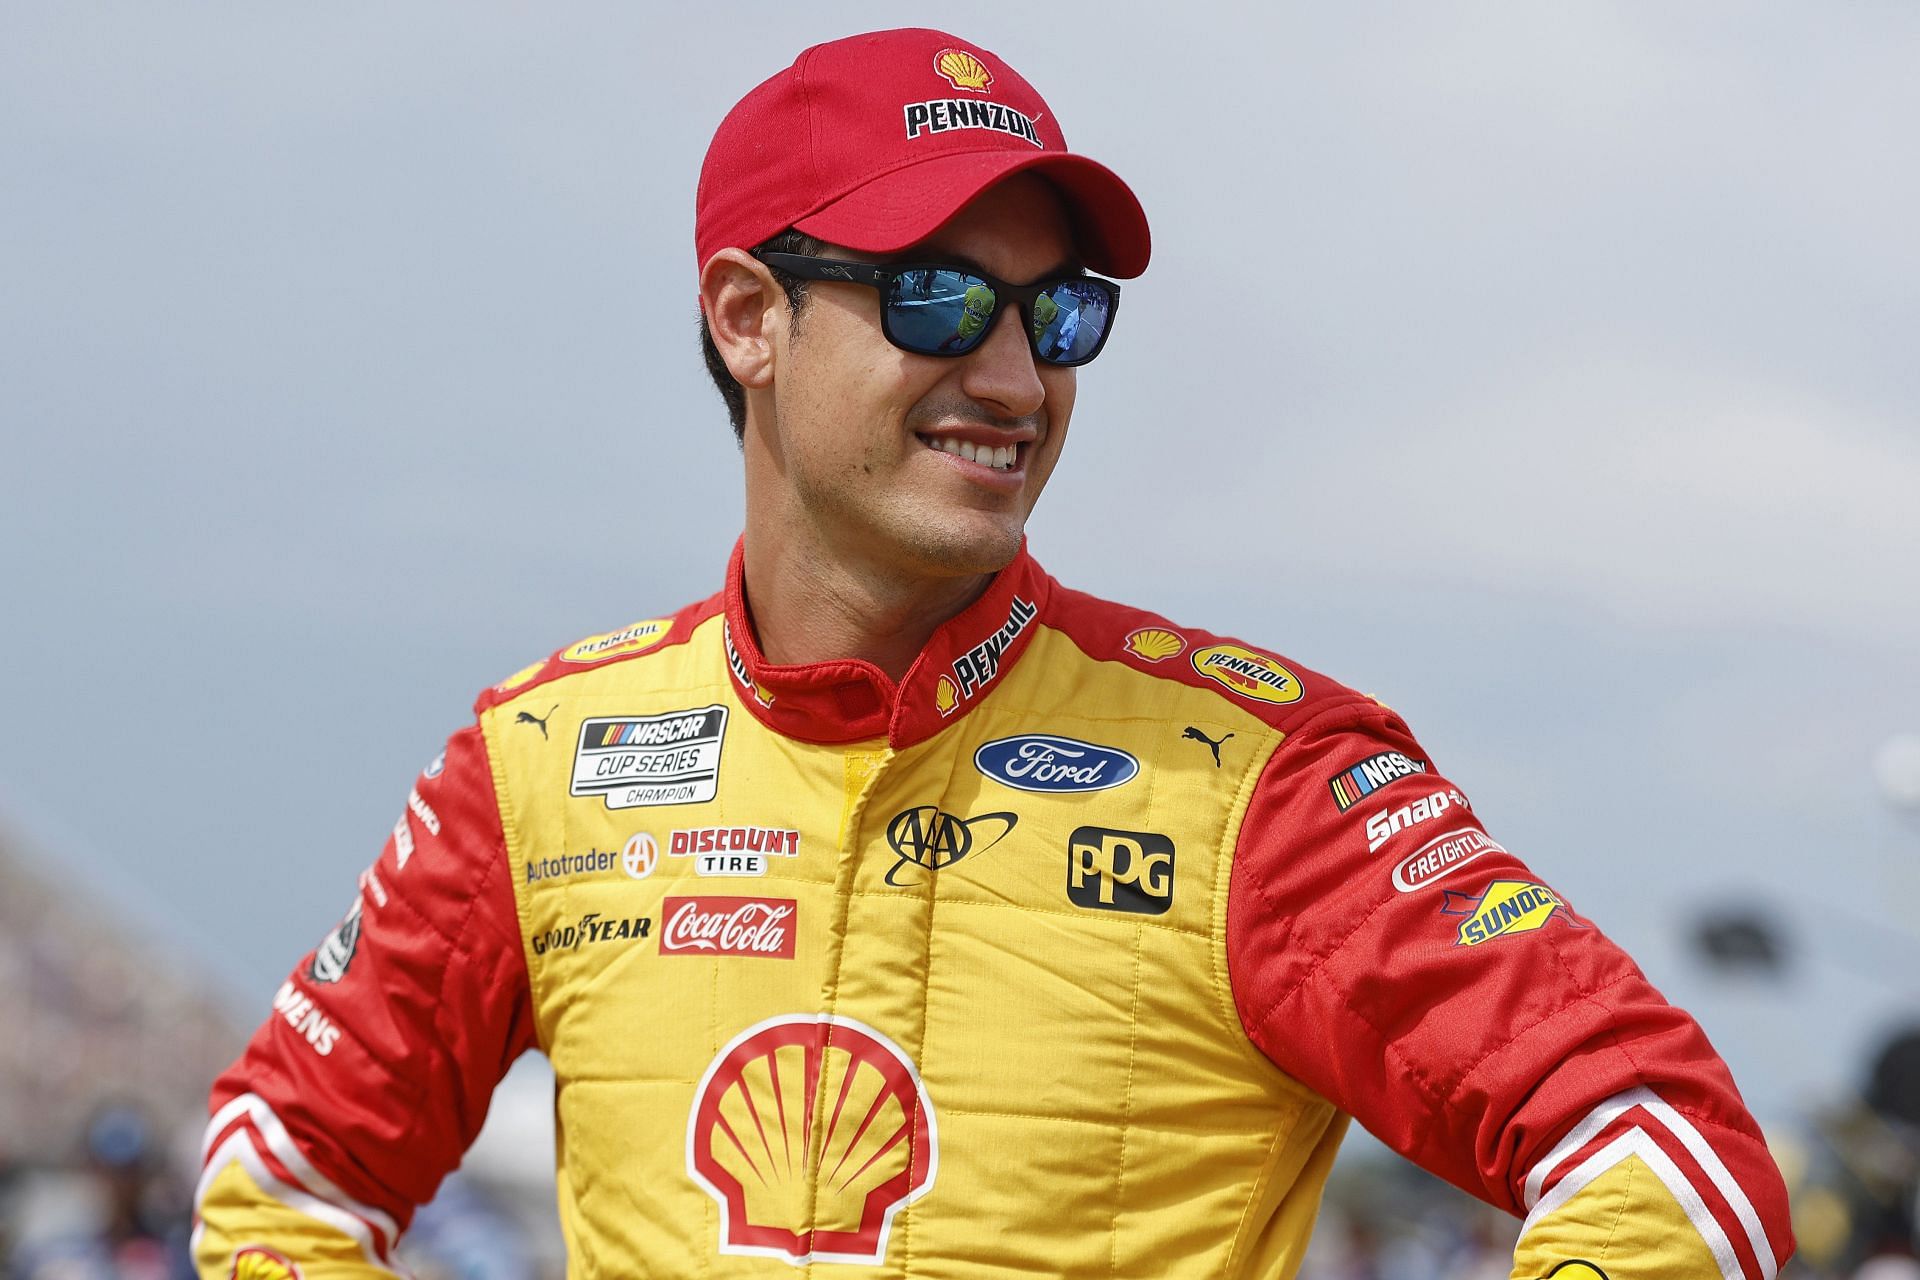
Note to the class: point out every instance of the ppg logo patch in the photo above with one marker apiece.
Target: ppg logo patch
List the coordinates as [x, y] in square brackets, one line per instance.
[1110, 870]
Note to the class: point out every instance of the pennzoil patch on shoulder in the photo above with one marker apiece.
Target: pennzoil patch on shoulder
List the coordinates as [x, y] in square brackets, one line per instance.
[1248, 672]
[637, 638]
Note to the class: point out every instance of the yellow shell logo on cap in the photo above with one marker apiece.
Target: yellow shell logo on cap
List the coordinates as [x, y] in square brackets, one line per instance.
[255, 1263]
[963, 70]
[1154, 644]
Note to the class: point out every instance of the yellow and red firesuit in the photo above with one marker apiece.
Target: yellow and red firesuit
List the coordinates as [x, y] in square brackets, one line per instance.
[1070, 954]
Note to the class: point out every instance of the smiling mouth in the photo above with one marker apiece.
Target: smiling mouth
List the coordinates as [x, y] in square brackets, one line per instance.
[999, 457]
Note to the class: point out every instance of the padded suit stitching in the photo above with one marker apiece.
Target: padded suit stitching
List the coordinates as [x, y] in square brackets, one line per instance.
[1188, 931]
[1379, 715]
[907, 1216]
[1126, 1111]
[1319, 961]
[1586, 997]
[1620, 1213]
[837, 942]
[1220, 969]
[462, 950]
[1197, 1129]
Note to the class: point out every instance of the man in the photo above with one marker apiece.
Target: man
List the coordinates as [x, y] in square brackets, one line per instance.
[898, 911]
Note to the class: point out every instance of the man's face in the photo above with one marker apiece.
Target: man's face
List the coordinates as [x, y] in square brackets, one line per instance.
[867, 438]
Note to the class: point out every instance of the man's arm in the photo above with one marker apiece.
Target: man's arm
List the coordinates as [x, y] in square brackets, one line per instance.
[372, 1075]
[1387, 953]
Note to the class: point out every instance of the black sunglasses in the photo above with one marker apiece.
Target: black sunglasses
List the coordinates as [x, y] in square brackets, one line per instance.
[932, 310]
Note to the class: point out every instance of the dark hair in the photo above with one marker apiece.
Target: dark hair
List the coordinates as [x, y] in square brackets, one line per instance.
[796, 290]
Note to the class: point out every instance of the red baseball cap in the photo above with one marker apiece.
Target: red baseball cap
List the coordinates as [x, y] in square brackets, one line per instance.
[874, 141]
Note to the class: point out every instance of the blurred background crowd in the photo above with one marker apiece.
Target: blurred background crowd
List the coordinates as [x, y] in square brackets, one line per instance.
[104, 1075]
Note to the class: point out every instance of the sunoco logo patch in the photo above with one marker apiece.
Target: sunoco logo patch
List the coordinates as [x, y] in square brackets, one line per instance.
[631, 761]
[1506, 907]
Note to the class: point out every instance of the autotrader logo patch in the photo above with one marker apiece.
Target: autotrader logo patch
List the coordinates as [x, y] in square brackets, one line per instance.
[1110, 870]
[632, 761]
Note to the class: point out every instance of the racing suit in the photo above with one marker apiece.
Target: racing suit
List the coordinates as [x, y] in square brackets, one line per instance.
[1071, 953]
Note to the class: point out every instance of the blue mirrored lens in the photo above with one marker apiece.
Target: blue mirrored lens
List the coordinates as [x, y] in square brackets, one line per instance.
[1069, 320]
[939, 311]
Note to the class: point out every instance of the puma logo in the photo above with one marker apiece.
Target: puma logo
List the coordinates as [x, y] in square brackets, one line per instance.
[1196, 736]
[527, 717]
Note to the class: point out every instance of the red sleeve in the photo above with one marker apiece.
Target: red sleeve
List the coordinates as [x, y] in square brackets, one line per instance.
[1387, 953]
[372, 1074]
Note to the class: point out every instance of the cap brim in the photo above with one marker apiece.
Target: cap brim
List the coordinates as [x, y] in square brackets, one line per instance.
[906, 205]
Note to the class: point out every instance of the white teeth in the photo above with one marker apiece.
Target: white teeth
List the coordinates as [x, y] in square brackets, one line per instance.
[1000, 459]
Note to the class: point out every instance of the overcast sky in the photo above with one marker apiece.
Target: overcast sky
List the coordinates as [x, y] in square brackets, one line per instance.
[1547, 371]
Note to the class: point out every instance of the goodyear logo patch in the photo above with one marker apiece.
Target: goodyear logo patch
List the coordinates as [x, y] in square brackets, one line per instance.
[1353, 784]
[1505, 908]
[1249, 673]
[637, 638]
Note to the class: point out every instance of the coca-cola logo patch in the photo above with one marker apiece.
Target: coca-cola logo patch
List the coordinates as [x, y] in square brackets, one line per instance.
[717, 926]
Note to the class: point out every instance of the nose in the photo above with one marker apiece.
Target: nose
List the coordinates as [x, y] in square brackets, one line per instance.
[1000, 372]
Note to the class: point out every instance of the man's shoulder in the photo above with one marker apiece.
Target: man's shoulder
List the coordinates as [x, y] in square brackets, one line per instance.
[625, 647]
[1260, 681]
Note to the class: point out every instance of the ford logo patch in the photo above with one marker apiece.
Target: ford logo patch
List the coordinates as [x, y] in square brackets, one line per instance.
[1042, 762]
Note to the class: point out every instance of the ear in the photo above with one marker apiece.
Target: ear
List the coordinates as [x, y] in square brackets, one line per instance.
[745, 309]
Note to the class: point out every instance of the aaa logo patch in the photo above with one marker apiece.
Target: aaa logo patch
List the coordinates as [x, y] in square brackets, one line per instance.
[1506, 907]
